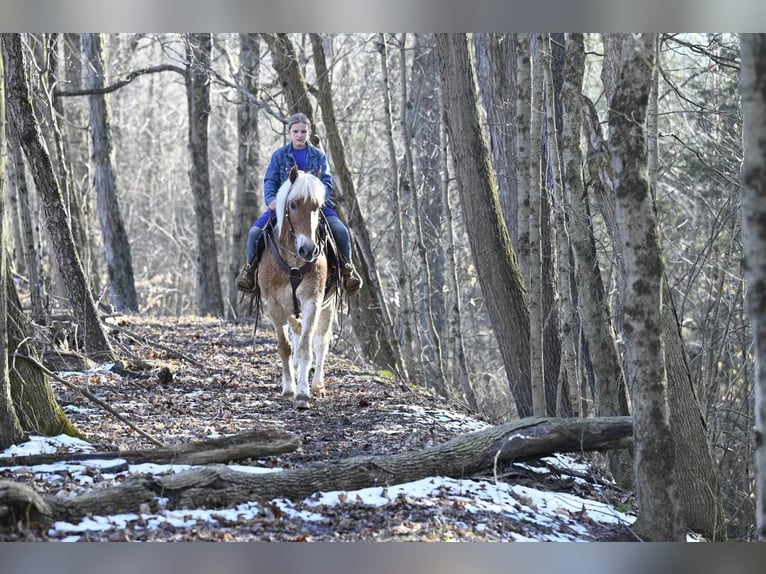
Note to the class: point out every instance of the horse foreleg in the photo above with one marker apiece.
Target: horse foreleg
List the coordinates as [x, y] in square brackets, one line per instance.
[322, 338]
[288, 371]
[303, 354]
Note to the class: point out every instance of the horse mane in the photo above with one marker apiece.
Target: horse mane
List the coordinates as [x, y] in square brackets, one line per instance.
[305, 187]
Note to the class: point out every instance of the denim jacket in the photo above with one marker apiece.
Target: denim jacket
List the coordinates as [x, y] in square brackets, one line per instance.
[282, 161]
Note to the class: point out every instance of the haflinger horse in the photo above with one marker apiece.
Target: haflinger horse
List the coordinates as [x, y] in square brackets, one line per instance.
[292, 276]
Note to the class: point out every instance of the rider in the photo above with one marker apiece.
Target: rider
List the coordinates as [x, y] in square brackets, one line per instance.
[311, 159]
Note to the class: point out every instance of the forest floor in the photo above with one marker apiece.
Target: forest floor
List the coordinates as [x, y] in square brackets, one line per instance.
[209, 380]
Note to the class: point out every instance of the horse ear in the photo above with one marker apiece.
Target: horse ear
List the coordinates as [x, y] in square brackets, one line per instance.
[293, 173]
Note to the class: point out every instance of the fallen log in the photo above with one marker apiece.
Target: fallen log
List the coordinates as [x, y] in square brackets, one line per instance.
[462, 456]
[252, 444]
[465, 455]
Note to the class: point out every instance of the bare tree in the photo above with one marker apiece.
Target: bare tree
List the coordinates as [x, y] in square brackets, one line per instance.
[594, 312]
[493, 255]
[406, 317]
[119, 263]
[29, 256]
[371, 318]
[248, 203]
[654, 449]
[10, 428]
[534, 270]
[96, 344]
[209, 296]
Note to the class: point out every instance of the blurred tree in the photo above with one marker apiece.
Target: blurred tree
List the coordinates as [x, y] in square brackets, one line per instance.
[119, 263]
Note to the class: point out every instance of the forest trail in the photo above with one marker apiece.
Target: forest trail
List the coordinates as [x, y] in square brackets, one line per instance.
[206, 380]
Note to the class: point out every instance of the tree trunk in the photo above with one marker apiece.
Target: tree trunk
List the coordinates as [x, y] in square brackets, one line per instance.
[496, 73]
[29, 252]
[698, 484]
[248, 203]
[594, 312]
[370, 315]
[209, 296]
[534, 270]
[33, 398]
[10, 428]
[251, 444]
[654, 449]
[119, 263]
[753, 49]
[75, 136]
[426, 316]
[523, 138]
[406, 313]
[83, 306]
[493, 255]
[287, 66]
[564, 337]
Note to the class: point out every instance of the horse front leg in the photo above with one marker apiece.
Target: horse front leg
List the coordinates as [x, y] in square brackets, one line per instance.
[288, 371]
[322, 338]
[303, 355]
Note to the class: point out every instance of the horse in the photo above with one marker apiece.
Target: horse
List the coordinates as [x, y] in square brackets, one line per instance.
[293, 282]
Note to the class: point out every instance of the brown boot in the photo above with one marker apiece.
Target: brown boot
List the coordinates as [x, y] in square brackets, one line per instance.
[246, 278]
[351, 280]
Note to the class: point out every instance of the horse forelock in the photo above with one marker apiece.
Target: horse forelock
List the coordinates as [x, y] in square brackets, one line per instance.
[307, 187]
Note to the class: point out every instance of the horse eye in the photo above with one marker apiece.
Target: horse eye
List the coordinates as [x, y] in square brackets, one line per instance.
[293, 205]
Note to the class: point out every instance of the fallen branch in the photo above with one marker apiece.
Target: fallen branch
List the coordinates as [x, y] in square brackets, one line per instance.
[253, 444]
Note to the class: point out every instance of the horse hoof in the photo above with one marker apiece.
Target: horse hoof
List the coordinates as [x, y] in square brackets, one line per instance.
[302, 402]
[288, 396]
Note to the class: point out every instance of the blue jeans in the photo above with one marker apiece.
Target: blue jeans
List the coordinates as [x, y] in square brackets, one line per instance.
[339, 232]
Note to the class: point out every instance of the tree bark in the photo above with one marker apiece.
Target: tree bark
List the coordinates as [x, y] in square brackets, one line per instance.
[493, 255]
[10, 428]
[496, 74]
[219, 486]
[753, 48]
[248, 203]
[28, 254]
[119, 263]
[533, 277]
[20, 107]
[33, 398]
[654, 448]
[406, 318]
[209, 296]
[291, 78]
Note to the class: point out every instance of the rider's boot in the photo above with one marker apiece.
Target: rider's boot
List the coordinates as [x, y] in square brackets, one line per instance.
[352, 282]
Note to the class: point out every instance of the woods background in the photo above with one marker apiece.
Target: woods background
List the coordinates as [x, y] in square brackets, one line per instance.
[507, 288]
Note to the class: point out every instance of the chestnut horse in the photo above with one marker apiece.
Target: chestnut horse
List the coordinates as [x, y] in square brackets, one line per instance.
[292, 275]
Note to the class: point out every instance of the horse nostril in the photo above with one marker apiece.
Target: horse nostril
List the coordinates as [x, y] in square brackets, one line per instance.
[305, 251]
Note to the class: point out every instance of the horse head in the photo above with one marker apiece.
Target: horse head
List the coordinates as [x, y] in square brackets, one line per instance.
[299, 202]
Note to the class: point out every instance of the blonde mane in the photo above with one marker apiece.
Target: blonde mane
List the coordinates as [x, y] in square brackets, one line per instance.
[307, 187]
